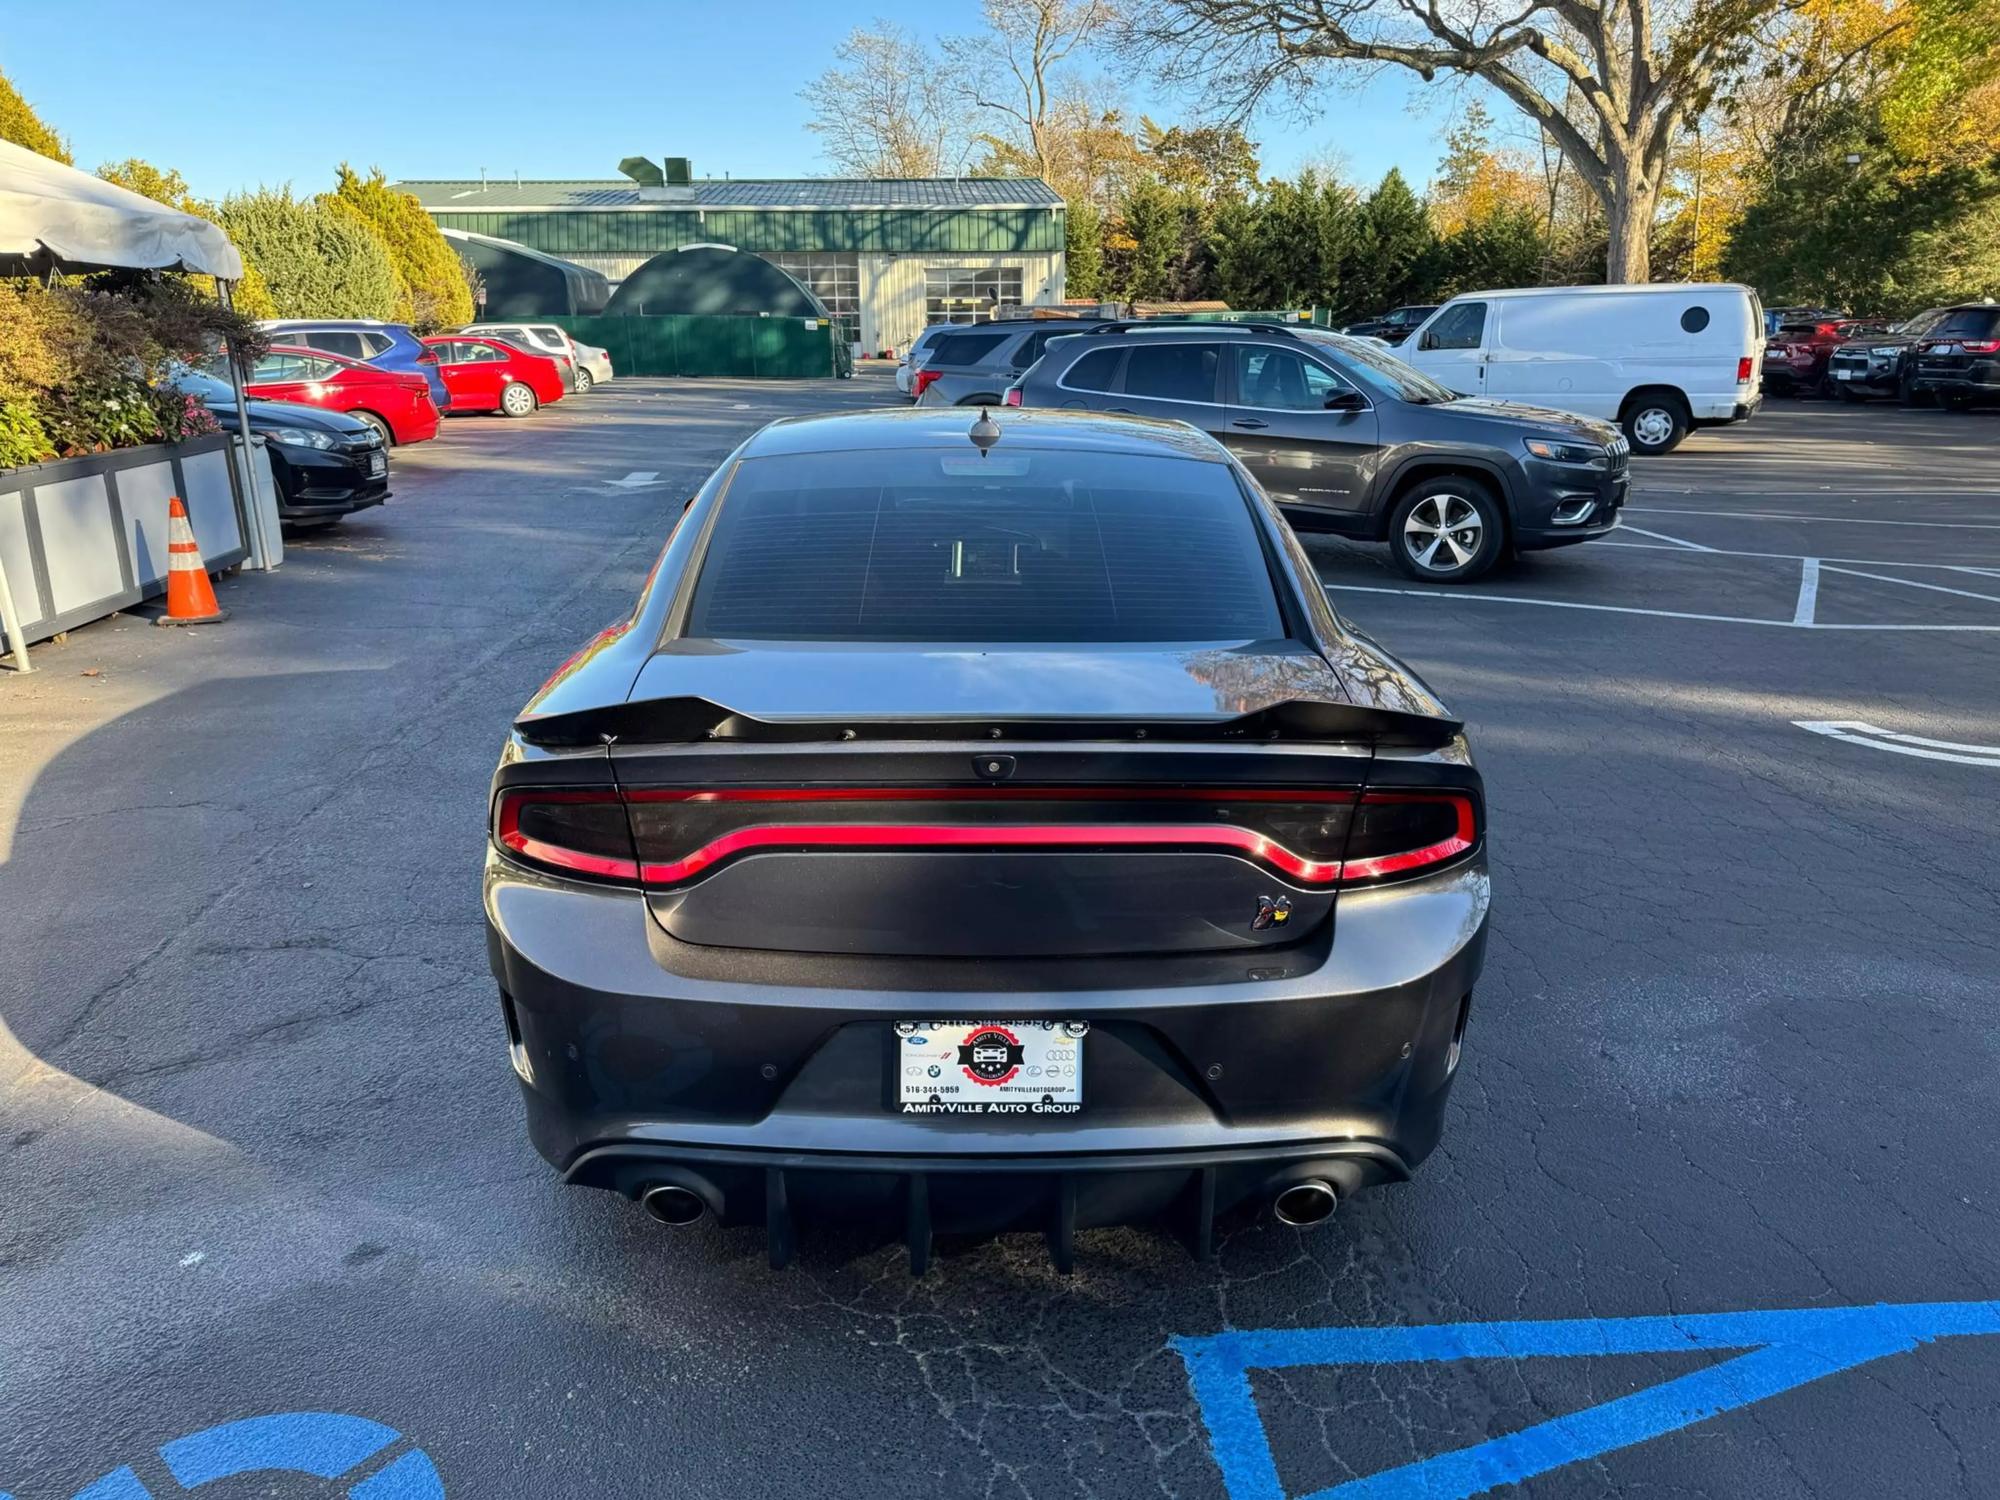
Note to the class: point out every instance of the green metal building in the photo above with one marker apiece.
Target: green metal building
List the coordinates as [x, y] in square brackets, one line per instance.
[886, 256]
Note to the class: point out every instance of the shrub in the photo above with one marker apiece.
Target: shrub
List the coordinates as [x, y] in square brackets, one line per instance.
[318, 261]
[20, 124]
[435, 292]
[249, 296]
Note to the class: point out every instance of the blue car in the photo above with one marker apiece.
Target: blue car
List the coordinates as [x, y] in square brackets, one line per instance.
[390, 345]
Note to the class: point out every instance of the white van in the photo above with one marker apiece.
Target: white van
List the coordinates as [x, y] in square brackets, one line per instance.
[1659, 360]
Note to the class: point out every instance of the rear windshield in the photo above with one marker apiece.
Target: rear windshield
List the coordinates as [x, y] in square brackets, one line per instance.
[1970, 323]
[1010, 548]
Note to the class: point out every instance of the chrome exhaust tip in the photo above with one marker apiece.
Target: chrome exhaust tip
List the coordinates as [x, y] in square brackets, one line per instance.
[674, 1205]
[1306, 1205]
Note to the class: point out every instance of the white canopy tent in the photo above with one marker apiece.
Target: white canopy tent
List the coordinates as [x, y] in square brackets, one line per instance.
[57, 220]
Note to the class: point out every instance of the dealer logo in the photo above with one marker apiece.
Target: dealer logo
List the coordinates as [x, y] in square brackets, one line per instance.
[990, 1056]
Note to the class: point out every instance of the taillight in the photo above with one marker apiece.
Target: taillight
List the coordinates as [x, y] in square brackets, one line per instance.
[1013, 396]
[1396, 833]
[575, 831]
[1743, 370]
[921, 381]
[1311, 837]
[428, 357]
[1980, 346]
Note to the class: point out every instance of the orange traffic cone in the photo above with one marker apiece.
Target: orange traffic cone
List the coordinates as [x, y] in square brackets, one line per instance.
[190, 596]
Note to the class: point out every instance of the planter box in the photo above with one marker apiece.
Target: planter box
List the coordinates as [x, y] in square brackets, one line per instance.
[82, 538]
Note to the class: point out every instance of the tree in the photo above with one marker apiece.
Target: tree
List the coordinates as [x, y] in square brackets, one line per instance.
[1152, 225]
[20, 124]
[1610, 81]
[250, 296]
[1016, 72]
[1504, 248]
[1394, 251]
[1083, 249]
[1212, 161]
[889, 108]
[318, 261]
[435, 291]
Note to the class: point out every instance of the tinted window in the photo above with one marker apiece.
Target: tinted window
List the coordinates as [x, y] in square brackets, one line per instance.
[336, 341]
[1379, 370]
[1970, 323]
[1694, 319]
[1172, 372]
[1096, 371]
[965, 348]
[1020, 547]
[1278, 379]
[1460, 327]
[377, 344]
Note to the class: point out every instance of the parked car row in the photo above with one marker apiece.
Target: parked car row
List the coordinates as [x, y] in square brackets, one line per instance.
[332, 396]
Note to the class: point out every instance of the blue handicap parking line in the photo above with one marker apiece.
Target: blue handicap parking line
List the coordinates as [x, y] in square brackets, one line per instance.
[1784, 1348]
[325, 1445]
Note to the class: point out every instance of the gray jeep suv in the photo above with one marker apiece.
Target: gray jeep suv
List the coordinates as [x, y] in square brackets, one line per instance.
[1348, 439]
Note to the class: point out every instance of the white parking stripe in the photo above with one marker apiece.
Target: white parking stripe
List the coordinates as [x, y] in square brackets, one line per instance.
[1911, 583]
[1802, 612]
[1661, 536]
[1857, 732]
[1772, 515]
[1629, 609]
[1859, 562]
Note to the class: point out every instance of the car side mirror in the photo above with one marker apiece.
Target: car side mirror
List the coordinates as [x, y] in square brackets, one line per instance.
[1345, 401]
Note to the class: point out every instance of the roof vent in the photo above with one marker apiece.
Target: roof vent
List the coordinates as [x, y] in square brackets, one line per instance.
[680, 173]
[641, 171]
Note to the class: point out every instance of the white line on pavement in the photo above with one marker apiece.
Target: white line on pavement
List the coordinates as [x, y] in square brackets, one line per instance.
[1661, 536]
[1912, 583]
[1859, 562]
[1773, 515]
[635, 479]
[1802, 612]
[1628, 609]
[1857, 732]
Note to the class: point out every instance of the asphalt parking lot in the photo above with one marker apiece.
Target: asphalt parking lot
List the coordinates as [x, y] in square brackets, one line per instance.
[1733, 1054]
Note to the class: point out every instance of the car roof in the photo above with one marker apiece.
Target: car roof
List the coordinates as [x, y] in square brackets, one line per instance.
[947, 427]
[1650, 289]
[310, 353]
[329, 323]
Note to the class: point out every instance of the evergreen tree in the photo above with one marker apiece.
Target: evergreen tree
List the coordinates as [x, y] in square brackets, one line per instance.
[1083, 249]
[1392, 252]
[318, 262]
[1153, 224]
[20, 124]
[250, 296]
[434, 292]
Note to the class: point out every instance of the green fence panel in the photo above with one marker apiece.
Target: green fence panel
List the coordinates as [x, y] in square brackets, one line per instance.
[678, 344]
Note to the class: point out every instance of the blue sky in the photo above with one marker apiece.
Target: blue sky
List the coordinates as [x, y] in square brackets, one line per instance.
[234, 94]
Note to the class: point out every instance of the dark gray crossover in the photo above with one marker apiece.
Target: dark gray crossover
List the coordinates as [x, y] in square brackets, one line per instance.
[1348, 439]
[984, 824]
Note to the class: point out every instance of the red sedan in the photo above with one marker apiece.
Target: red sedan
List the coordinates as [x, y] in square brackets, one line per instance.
[395, 404]
[492, 375]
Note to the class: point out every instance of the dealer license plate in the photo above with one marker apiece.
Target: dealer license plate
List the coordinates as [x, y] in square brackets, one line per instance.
[990, 1067]
[378, 465]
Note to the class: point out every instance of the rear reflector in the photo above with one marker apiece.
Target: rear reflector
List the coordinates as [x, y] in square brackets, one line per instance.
[1312, 837]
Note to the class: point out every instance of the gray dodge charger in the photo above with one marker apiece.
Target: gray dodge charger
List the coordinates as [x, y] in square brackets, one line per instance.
[978, 826]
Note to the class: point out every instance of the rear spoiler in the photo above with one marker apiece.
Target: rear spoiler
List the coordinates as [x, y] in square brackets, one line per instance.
[687, 720]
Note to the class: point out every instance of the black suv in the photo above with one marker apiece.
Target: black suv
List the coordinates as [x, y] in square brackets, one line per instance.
[1395, 325]
[1349, 439]
[1946, 351]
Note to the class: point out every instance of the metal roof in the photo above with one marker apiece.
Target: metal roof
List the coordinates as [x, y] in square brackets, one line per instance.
[444, 196]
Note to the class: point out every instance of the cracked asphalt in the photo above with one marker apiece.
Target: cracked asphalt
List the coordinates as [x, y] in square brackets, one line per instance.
[1735, 1048]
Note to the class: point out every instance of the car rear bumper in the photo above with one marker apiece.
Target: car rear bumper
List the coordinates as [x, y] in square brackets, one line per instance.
[1971, 377]
[644, 1061]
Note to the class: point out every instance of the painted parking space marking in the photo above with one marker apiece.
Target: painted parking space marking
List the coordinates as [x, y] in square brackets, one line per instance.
[1661, 536]
[322, 1445]
[1859, 562]
[1858, 732]
[1783, 1349]
[1912, 583]
[1771, 515]
[1465, 597]
[1808, 600]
